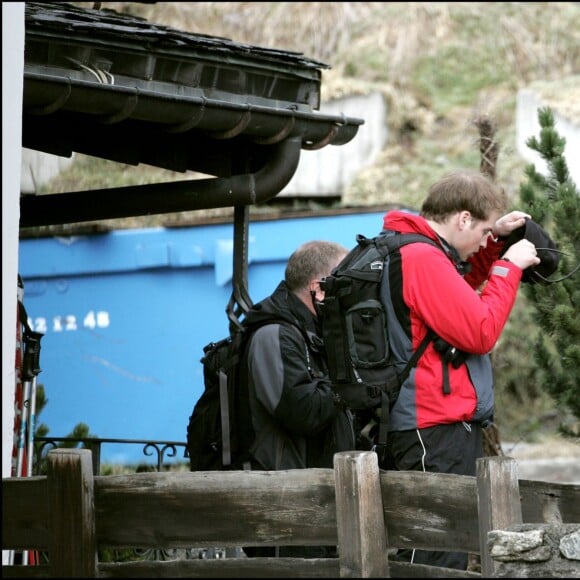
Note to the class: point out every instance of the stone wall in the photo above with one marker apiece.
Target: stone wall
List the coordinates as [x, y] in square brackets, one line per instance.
[536, 551]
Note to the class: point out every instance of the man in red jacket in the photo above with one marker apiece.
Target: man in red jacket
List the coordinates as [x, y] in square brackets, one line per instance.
[464, 294]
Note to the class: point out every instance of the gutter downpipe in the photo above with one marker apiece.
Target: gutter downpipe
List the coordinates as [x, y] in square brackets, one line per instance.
[156, 198]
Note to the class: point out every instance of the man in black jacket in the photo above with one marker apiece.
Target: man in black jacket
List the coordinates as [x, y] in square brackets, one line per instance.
[295, 419]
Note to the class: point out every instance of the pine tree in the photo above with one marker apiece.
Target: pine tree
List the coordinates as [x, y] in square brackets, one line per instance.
[554, 202]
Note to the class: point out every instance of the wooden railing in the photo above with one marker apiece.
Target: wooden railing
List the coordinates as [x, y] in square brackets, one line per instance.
[73, 516]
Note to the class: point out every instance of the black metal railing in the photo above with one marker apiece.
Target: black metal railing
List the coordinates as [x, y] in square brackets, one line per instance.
[160, 450]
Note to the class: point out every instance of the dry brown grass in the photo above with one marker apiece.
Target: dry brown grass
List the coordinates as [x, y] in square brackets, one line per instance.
[534, 37]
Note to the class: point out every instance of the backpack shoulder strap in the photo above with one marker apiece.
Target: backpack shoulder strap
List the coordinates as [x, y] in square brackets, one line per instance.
[387, 241]
[417, 354]
[309, 338]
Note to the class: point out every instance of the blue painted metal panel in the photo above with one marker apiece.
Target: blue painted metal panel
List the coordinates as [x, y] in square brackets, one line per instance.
[126, 315]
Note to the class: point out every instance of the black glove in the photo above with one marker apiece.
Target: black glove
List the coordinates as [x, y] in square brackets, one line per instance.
[534, 233]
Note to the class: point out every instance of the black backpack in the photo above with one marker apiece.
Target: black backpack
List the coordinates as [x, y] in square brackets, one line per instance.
[210, 429]
[354, 330]
[219, 432]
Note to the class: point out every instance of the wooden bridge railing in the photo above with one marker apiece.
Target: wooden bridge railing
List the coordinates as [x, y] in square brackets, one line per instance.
[73, 516]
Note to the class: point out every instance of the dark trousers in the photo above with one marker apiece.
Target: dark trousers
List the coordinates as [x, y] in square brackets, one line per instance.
[451, 448]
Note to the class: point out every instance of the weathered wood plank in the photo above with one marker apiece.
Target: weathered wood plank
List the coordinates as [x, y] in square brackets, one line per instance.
[72, 545]
[359, 515]
[539, 498]
[408, 570]
[172, 510]
[18, 571]
[435, 511]
[24, 513]
[225, 568]
[498, 500]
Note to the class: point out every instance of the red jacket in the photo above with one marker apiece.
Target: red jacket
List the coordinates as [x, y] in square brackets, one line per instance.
[431, 292]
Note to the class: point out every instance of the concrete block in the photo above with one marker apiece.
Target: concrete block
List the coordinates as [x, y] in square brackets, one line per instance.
[328, 171]
[38, 168]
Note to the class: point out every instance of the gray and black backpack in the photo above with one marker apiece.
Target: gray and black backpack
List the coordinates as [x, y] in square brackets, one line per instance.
[354, 329]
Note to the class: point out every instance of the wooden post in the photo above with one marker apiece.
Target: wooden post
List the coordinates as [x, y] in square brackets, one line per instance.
[72, 549]
[362, 537]
[498, 502]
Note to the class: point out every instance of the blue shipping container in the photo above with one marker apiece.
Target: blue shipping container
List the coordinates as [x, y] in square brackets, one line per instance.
[126, 314]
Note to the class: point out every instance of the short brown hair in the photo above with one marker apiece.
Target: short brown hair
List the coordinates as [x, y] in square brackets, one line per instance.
[312, 260]
[463, 190]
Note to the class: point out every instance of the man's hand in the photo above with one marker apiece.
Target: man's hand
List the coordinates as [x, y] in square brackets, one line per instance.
[506, 224]
[523, 254]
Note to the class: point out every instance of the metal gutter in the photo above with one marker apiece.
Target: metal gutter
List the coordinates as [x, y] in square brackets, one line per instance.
[220, 119]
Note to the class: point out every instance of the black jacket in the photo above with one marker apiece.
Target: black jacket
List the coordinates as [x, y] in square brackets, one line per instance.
[296, 423]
